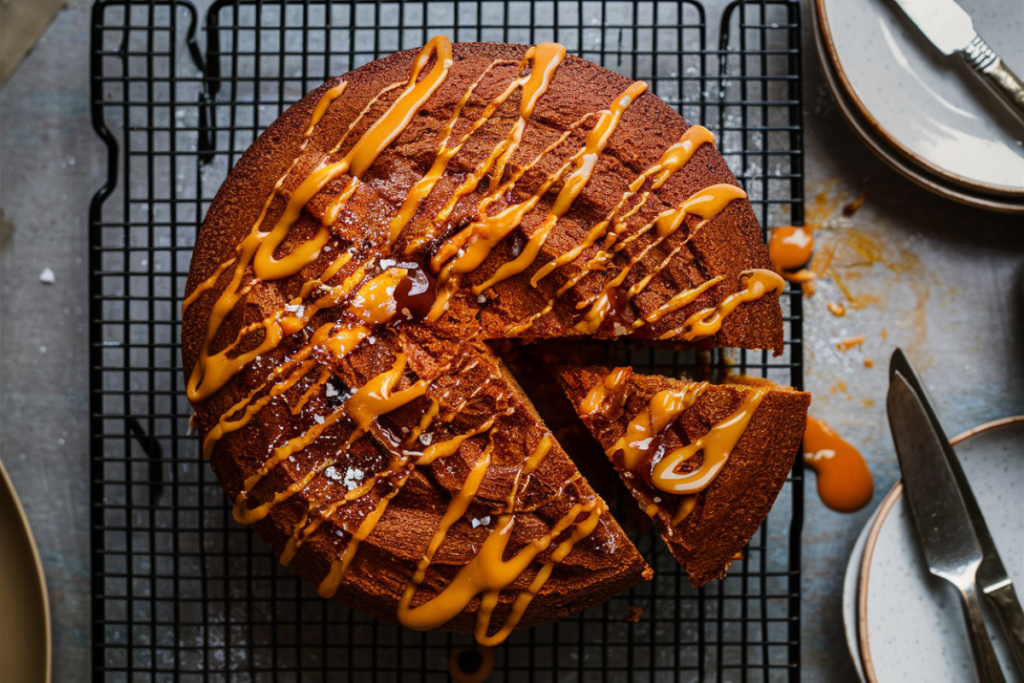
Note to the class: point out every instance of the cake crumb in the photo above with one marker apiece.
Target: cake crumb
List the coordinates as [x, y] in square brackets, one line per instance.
[849, 343]
[633, 614]
[836, 309]
[868, 363]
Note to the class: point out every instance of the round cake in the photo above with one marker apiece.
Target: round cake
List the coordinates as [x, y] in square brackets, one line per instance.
[356, 263]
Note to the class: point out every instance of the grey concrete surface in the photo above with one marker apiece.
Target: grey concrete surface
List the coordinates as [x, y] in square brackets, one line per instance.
[942, 280]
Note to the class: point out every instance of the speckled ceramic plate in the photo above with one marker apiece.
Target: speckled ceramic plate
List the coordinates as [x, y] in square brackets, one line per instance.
[850, 593]
[892, 158]
[927, 106]
[911, 626]
[25, 611]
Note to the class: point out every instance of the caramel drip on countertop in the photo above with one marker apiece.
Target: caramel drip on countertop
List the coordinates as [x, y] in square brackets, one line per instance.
[662, 410]
[717, 445]
[705, 323]
[469, 248]
[845, 483]
[321, 106]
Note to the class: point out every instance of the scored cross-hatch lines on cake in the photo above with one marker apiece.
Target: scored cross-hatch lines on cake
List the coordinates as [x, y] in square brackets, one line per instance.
[371, 297]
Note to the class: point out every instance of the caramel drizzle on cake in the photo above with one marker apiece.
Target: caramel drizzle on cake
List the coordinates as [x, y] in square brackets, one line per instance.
[644, 430]
[368, 297]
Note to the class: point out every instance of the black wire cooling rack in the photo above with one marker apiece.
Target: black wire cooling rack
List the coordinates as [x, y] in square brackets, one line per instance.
[179, 91]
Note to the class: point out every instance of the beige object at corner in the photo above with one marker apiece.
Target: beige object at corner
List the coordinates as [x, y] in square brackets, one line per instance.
[21, 24]
[24, 607]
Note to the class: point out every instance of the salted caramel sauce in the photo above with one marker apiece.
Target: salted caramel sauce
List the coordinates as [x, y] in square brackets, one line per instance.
[425, 421]
[683, 298]
[595, 508]
[532, 463]
[377, 397]
[488, 573]
[717, 446]
[789, 249]
[321, 106]
[469, 248]
[443, 449]
[585, 161]
[674, 158]
[312, 390]
[225, 426]
[457, 507]
[258, 247]
[686, 506]
[359, 159]
[421, 190]
[212, 372]
[339, 567]
[707, 204]
[845, 483]
[759, 282]
[607, 395]
[664, 408]
[545, 57]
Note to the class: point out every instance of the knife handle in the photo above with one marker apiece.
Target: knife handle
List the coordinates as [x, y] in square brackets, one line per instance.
[996, 74]
[985, 661]
[1004, 600]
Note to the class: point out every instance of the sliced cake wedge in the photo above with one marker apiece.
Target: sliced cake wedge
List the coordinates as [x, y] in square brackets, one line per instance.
[706, 462]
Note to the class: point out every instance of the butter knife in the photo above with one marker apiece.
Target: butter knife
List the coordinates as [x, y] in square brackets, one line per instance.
[950, 547]
[993, 578]
[950, 29]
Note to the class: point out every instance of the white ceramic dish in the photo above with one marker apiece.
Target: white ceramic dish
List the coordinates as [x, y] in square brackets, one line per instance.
[910, 624]
[927, 106]
[905, 167]
[850, 592]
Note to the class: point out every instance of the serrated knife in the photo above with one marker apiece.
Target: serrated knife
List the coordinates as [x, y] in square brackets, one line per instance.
[993, 579]
[950, 29]
[950, 547]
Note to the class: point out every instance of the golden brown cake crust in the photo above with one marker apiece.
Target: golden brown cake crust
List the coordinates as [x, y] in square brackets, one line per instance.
[730, 510]
[604, 563]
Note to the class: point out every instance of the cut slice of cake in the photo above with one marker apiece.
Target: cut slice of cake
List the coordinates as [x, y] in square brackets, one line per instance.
[704, 461]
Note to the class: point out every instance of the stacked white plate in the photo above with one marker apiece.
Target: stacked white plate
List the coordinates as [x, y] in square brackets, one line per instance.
[925, 114]
[902, 623]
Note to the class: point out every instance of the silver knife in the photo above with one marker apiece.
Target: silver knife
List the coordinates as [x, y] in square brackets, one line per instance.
[950, 29]
[947, 537]
[993, 579]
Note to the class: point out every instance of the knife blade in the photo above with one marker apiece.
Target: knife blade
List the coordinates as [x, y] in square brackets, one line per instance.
[992, 577]
[951, 30]
[950, 547]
